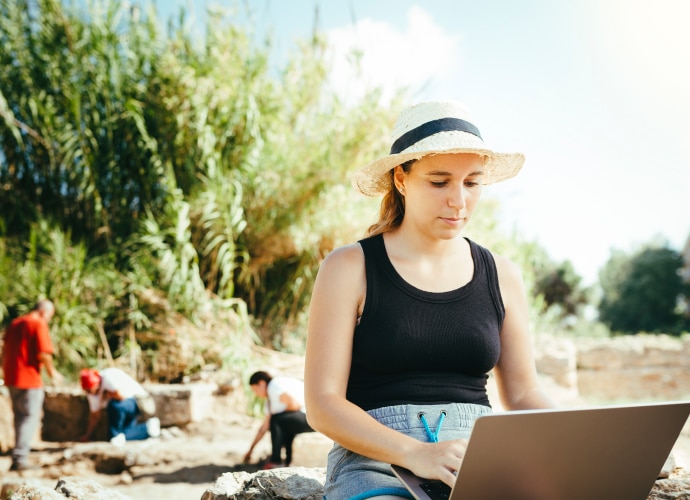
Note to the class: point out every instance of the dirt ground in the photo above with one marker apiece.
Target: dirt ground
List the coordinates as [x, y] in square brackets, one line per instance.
[183, 463]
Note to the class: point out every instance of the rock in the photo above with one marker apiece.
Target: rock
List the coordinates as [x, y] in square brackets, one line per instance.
[292, 483]
[68, 487]
[84, 489]
[126, 478]
[668, 468]
[674, 488]
[34, 492]
[12, 487]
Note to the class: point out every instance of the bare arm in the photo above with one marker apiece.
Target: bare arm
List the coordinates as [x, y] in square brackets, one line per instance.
[337, 299]
[116, 395]
[259, 434]
[47, 360]
[94, 418]
[516, 374]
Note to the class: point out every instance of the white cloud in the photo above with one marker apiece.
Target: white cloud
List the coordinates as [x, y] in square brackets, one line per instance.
[373, 53]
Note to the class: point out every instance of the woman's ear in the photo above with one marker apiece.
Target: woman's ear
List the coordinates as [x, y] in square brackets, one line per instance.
[399, 179]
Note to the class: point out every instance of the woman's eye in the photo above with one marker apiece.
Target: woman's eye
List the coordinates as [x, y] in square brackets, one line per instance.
[438, 183]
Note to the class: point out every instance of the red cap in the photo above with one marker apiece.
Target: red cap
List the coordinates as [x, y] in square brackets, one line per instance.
[90, 378]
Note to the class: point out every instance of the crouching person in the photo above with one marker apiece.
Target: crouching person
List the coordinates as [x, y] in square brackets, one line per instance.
[113, 391]
[285, 415]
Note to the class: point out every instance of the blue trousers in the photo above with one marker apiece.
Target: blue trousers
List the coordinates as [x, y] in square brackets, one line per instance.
[122, 419]
[27, 405]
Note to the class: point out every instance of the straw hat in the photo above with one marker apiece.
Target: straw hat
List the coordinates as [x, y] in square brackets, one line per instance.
[435, 127]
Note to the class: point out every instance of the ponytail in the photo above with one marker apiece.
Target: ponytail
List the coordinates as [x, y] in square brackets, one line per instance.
[392, 206]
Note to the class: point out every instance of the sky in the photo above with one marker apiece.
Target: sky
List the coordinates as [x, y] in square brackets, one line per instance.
[596, 93]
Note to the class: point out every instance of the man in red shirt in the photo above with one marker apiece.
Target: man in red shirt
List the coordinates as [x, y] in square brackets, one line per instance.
[26, 348]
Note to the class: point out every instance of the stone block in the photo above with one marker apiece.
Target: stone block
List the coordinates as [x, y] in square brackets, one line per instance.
[6, 421]
[66, 415]
[181, 404]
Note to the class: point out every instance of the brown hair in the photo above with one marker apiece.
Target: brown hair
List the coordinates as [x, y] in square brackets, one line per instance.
[392, 206]
[257, 377]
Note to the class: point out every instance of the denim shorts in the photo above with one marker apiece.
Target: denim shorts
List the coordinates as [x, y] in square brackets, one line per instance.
[355, 477]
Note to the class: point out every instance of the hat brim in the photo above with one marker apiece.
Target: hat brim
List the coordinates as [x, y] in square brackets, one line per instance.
[373, 179]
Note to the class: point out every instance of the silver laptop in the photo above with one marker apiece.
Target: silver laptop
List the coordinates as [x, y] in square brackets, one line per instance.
[613, 452]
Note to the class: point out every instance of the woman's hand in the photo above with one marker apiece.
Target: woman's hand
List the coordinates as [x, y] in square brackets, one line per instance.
[438, 460]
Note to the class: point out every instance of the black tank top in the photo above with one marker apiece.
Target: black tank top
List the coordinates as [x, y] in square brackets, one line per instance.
[413, 346]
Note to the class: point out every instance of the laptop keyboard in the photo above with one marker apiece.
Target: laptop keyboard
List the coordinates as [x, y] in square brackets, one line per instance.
[436, 490]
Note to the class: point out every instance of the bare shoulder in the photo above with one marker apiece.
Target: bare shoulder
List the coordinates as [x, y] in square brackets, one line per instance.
[505, 266]
[344, 258]
[342, 269]
[509, 274]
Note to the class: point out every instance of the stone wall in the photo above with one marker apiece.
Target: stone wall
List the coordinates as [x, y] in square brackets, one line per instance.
[66, 415]
[634, 368]
[66, 411]
[608, 371]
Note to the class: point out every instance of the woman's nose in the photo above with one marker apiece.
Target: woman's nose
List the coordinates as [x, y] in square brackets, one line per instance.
[457, 197]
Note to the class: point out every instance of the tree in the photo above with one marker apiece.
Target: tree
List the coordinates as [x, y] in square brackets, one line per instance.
[642, 292]
[77, 116]
[194, 168]
[192, 172]
[560, 286]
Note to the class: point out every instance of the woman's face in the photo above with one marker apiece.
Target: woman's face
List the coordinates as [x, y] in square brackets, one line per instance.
[441, 192]
[260, 389]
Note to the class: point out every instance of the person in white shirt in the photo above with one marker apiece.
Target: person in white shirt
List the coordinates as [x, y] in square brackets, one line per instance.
[115, 392]
[285, 415]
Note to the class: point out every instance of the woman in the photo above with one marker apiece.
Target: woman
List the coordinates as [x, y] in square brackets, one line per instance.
[285, 416]
[405, 325]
